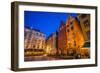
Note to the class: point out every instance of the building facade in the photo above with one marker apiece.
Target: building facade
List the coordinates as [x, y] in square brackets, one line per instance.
[75, 35]
[51, 44]
[84, 20]
[75, 38]
[62, 39]
[34, 39]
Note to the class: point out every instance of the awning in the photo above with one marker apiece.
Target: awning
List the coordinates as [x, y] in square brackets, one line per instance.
[86, 44]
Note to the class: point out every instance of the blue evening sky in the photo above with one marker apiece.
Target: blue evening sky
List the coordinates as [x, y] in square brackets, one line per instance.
[46, 22]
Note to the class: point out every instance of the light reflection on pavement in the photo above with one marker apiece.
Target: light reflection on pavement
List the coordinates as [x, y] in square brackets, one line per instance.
[40, 58]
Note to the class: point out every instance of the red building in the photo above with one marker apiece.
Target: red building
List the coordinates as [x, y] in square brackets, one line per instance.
[62, 39]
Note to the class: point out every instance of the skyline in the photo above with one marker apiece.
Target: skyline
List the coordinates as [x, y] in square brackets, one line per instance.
[35, 20]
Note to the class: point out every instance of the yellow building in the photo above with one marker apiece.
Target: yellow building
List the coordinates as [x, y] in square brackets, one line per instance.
[75, 38]
[51, 44]
[84, 20]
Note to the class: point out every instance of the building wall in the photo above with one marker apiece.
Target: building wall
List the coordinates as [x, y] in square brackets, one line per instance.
[33, 39]
[51, 43]
[26, 38]
[75, 37]
[62, 39]
[85, 25]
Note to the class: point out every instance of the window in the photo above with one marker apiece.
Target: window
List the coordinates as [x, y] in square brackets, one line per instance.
[71, 23]
[73, 35]
[42, 47]
[35, 40]
[67, 30]
[86, 23]
[43, 41]
[74, 43]
[40, 34]
[43, 35]
[37, 34]
[33, 46]
[72, 27]
[30, 35]
[39, 41]
[25, 34]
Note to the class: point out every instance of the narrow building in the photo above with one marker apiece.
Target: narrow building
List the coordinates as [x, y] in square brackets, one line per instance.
[84, 20]
[75, 38]
[51, 44]
[62, 39]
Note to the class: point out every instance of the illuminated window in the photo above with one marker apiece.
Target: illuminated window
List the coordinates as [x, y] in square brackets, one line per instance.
[42, 41]
[37, 46]
[71, 24]
[74, 43]
[73, 35]
[33, 46]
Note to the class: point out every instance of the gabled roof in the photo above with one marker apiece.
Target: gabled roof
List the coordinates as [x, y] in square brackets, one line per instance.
[61, 24]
